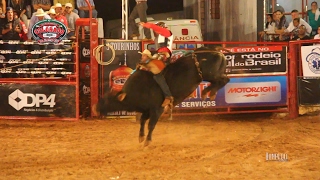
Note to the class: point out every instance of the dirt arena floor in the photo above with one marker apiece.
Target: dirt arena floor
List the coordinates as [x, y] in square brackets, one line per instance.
[197, 147]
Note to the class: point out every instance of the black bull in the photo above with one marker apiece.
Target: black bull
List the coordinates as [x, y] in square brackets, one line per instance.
[145, 96]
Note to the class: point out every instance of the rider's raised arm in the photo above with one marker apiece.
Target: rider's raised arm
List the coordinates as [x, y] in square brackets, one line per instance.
[160, 30]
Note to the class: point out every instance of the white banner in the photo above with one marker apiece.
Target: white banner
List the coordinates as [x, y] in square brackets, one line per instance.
[310, 56]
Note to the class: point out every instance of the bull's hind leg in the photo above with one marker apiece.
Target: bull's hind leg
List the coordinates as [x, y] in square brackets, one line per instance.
[144, 117]
[154, 116]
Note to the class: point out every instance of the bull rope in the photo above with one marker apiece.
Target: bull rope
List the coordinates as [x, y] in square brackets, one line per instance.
[197, 63]
[97, 54]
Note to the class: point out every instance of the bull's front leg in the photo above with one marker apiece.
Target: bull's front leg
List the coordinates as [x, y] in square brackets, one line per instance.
[154, 117]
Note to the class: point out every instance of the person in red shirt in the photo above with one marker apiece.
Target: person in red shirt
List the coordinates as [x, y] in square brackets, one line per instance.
[59, 14]
[24, 30]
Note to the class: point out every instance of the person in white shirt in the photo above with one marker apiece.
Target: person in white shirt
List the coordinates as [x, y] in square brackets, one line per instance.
[269, 28]
[36, 17]
[295, 14]
[317, 36]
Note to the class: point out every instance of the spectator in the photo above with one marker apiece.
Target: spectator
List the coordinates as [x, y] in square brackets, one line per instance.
[10, 30]
[295, 14]
[64, 2]
[43, 4]
[19, 6]
[295, 31]
[302, 33]
[2, 8]
[83, 9]
[11, 26]
[71, 18]
[24, 29]
[139, 10]
[36, 17]
[280, 20]
[52, 13]
[269, 27]
[313, 17]
[317, 36]
[59, 16]
[29, 8]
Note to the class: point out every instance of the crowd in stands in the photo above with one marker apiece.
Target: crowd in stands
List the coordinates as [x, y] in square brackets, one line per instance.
[278, 29]
[17, 17]
[29, 12]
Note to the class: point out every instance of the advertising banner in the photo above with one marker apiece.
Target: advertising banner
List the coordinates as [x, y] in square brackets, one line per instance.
[84, 72]
[257, 60]
[309, 91]
[310, 57]
[125, 59]
[84, 50]
[37, 100]
[242, 91]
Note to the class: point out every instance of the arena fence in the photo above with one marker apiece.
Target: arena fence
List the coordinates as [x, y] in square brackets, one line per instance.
[262, 76]
[305, 56]
[263, 79]
[39, 81]
[45, 83]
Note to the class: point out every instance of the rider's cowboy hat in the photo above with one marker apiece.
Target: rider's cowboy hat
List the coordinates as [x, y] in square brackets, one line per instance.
[146, 52]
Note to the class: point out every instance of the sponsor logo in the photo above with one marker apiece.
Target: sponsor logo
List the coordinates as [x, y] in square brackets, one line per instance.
[86, 90]
[259, 59]
[185, 38]
[87, 71]
[19, 100]
[49, 31]
[124, 46]
[195, 101]
[282, 157]
[85, 52]
[256, 49]
[195, 104]
[313, 60]
[253, 92]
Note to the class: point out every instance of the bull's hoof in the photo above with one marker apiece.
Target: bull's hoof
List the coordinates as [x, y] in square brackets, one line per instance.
[147, 143]
[141, 139]
[167, 110]
[94, 110]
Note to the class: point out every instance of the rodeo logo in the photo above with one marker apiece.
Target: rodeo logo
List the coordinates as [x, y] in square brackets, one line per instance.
[313, 60]
[49, 31]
